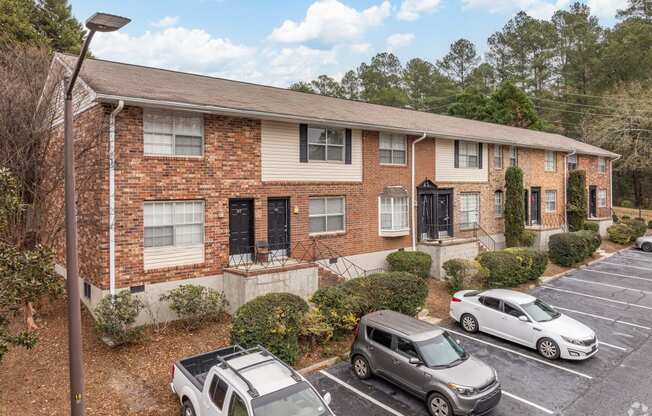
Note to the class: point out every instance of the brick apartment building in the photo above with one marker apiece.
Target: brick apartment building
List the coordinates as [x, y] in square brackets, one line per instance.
[207, 172]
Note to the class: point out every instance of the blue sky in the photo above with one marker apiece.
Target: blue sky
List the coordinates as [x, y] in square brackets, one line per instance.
[277, 43]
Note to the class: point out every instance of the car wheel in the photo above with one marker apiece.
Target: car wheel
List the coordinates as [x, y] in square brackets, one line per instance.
[548, 349]
[438, 405]
[647, 247]
[187, 409]
[469, 323]
[361, 367]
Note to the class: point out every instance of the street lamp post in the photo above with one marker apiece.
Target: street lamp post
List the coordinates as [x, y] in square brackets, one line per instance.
[99, 22]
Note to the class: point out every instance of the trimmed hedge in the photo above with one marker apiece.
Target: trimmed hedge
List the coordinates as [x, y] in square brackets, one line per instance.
[115, 316]
[465, 274]
[638, 228]
[195, 304]
[340, 308]
[527, 238]
[592, 226]
[513, 266]
[620, 233]
[272, 321]
[415, 262]
[568, 249]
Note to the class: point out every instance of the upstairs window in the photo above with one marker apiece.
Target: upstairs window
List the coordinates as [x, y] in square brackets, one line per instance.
[602, 166]
[170, 224]
[326, 144]
[468, 154]
[392, 149]
[551, 201]
[326, 214]
[513, 156]
[550, 163]
[572, 162]
[499, 204]
[172, 134]
[498, 156]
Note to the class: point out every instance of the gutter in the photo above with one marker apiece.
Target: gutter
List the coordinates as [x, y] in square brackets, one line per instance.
[611, 183]
[414, 193]
[115, 112]
[566, 188]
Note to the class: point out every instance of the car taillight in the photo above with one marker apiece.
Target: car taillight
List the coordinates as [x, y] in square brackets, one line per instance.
[456, 299]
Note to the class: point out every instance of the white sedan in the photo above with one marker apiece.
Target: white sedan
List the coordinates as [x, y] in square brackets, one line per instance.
[524, 319]
[644, 243]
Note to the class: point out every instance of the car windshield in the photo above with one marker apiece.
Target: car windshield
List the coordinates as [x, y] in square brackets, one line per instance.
[299, 399]
[442, 351]
[540, 312]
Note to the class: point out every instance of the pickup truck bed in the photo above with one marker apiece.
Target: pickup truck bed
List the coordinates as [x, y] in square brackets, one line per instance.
[196, 368]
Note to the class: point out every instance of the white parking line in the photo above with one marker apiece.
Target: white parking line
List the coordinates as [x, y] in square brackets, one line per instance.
[612, 346]
[637, 258]
[577, 373]
[647, 269]
[596, 297]
[617, 321]
[619, 275]
[394, 412]
[361, 394]
[591, 282]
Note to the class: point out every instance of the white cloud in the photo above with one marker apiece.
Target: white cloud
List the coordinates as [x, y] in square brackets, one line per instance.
[540, 9]
[399, 40]
[410, 9]
[300, 63]
[360, 48]
[606, 8]
[330, 21]
[167, 21]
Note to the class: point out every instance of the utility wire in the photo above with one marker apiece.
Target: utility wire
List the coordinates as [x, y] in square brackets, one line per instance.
[576, 112]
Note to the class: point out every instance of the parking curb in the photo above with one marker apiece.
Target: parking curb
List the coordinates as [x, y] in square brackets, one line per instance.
[547, 279]
[329, 362]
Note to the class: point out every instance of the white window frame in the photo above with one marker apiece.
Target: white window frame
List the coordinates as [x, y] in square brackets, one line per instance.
[572, 158]
[326, 145]
[400, 138]
[469, 225]
[601, 201]
[602, 166]
[498, 156]
[174, 225]
[548, 201]
[513, 156]
[394, 202]
[466, 151]
[550, 161]
[326, 215]
[499, 209]
[175, 115]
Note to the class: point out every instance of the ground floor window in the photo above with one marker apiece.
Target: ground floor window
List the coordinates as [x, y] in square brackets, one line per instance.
[169, 224]
[394, 213]
[499, 204]
[326, 214]
[551, 201]
[469, 210]
[602, 198]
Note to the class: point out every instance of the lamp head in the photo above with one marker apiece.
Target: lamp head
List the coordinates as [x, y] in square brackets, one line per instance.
[104, 22]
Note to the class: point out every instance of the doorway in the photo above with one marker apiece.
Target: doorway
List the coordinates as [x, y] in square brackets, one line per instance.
[526, 205]
[435, 211]
[535, 196]
[278, 226]
[241, 230]
[593, 201]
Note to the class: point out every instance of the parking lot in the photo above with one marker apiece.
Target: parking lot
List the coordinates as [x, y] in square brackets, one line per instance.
[613, 297]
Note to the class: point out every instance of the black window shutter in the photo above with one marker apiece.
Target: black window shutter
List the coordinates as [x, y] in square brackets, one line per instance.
[347, 147]
[480, 155]
[303, 143]
[457, 153]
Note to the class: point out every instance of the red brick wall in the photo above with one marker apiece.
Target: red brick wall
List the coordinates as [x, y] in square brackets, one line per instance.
[600, 180]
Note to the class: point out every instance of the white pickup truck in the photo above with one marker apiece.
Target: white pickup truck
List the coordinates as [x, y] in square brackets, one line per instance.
[234, 381]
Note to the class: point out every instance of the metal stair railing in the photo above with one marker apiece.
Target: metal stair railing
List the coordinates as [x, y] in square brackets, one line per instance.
[483, 238]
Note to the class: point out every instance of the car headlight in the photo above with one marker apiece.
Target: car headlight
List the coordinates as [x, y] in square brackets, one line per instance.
[572, 341]
[462, 390]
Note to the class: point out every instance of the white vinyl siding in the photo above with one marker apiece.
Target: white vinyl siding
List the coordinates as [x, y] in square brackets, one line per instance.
[327, 214]
[280, 159]
[602, 166]
[551, 201]
[394, 215]
[392, 149]
[325, 144]
[469, 210]
[445, 170]
[498, 156]
[602, 198]
[172, 134]
[499, 204]
[173, 233]
[550, 161]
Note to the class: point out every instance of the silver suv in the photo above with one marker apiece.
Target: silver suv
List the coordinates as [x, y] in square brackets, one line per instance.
[426, 361]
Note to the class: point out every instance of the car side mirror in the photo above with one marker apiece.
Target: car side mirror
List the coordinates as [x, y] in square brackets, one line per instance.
[327, 398]
[415, 361]
[523, 318]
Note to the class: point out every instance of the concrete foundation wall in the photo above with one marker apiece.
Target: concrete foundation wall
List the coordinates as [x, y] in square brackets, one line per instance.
[441, 253]
[367, 261]
[603, 224]
[542, 236]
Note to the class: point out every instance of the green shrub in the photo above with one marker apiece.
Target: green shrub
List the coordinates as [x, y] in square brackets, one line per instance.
[568, 249]
[577, 199]
[592, 240]
[465, 274]
[625, 218]
[272, 321]
[115, 316]
[535, 261]
[339, 308]
[514, 209]
[614, 218]
[620, 233]
[649, 224]
[415, 262]
[638, 228]
[527, 238]
[592, 226]
[641, 219]
[626, 203]
[513, 266]
[315, 328]
[194, 304]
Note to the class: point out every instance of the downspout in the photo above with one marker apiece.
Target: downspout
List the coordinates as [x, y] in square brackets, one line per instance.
[611, 183]
[115, 112]
[414, 193]
[566, 188]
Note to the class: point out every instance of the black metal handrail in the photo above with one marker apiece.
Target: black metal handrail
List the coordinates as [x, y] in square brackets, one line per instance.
[483, 238]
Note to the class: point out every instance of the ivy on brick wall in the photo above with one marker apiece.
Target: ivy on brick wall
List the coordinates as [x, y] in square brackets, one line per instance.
[514, 209]
[577, 200]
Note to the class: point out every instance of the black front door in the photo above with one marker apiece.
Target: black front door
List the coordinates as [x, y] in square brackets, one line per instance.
[435, 208]
[444, 223]
[536, 206]
[241, 229]
[526, 204]
[593, 201]
[278, 226]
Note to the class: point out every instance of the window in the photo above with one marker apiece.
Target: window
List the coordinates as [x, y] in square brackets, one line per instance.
[551, 201]
[237, 406]
[326, 143]
[469, 210]
[392, 149]
[381, 337]
[217, 391]
[512, 310]
[499, 203]
[572, 162]
[326, 214]
[498, 156]
[406, 348]
[513, 156]
[602, 166]
[602, 198]
[174, 223]
[172, 134]
[394, 213]
[550, 161]
[492, 303]
[469, 154]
